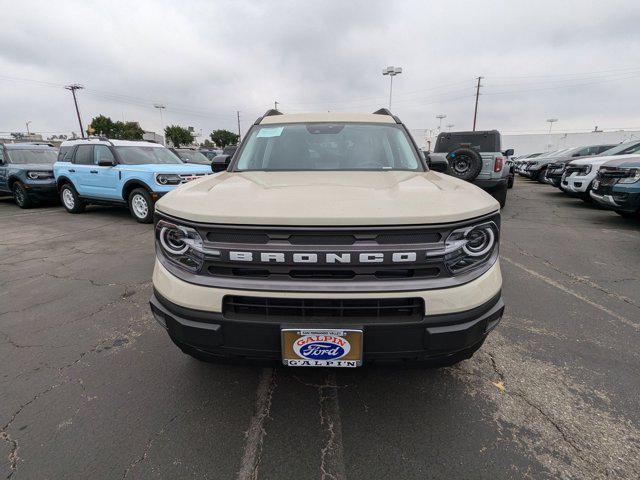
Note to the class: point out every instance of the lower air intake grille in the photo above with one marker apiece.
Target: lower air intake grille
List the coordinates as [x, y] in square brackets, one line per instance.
[289, 309]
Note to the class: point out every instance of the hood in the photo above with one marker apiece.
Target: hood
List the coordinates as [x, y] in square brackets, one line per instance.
[624, 161]
[167, 168]
[42, 167]
[327, 198]
[599, 160]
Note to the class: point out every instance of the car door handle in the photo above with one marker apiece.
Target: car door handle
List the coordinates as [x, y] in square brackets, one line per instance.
[71, 170]
[93, 171]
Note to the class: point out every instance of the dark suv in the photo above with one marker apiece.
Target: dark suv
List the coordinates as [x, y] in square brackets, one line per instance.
[26, 172]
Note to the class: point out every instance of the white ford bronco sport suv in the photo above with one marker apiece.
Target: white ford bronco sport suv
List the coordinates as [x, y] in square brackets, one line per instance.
[328, 242]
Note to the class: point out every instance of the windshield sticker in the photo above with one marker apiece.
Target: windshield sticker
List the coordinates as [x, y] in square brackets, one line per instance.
[270, 132]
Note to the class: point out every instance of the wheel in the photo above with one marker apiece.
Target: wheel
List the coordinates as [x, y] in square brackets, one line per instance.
[21, 196]
[500, 195]
[464, 163]
[540, 175]
[586, 196]
[510, 181]
[70, 199]
[141, 205]
[627, 214]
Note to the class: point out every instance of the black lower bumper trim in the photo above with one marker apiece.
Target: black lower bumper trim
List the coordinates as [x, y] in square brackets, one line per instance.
[432, 337]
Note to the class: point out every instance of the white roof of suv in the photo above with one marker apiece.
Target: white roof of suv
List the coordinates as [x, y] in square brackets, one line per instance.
[115, 143]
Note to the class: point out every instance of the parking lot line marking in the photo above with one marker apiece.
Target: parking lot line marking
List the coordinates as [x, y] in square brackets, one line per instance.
[256, 432]
[332, 457]
[569, 291]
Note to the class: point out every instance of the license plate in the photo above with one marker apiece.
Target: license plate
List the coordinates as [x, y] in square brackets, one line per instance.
[321, 347]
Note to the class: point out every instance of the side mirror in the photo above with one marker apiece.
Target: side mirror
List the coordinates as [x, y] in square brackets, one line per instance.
[103, 162]
[220, 163]
[509, 152]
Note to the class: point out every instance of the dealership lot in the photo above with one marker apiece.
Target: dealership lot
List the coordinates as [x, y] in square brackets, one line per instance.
[91, 385]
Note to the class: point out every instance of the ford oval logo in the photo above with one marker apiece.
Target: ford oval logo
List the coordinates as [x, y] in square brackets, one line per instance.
[321, 347]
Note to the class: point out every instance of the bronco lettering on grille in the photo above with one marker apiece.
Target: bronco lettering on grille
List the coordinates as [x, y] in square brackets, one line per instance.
[339, 258]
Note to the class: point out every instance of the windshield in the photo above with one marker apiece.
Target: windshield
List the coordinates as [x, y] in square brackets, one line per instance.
[193, 156]
[625, 148]
[35, 155]
[146, 155]
[328, 146]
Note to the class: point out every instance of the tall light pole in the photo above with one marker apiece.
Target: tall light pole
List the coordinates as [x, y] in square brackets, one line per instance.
[27, 124]
[440, 117]
[160, 107]
[392, 72]
[450, 126]
[551, 121]
[73, 89]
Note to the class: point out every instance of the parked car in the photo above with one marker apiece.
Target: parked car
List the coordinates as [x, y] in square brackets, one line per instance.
[556, 168]
[336, 247]
[26, 172]
[189, 155]
[518, 162]
[211, 152]
[617, 186]
[120, 172]
[535, 168]
[579, 175]
[476, 157]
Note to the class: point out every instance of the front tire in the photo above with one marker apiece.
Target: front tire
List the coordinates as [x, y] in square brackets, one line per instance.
[540, 175]
[141, 205]
[510, 181]
[70, 199]
[21, 196]
[501, 196]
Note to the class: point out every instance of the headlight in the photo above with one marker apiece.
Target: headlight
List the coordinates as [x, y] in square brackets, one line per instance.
[35, 175]
[469, 247]
[182, 245]
[584, 170]
[634, 176]
[168, 179]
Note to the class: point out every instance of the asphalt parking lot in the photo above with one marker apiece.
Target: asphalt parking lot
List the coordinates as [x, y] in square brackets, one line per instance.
[91, 387]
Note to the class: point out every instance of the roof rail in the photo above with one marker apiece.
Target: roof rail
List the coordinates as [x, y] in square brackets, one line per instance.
[269, 113]
[98, 138]
[36, 142]
[386, 111]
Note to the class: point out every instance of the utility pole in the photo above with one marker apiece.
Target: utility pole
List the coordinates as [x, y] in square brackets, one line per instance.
[239, 133]
[475, 112]
[73, 89]
[29, 133]
[275, 105]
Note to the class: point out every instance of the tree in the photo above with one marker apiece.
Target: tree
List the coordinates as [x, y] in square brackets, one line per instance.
[102, 125]
[178, 135]
[222, 138]
[127, 131]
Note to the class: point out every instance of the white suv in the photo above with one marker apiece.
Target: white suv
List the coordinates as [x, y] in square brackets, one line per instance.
[579, 174]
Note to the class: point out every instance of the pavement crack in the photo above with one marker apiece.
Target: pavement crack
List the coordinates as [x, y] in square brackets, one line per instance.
[331, 454]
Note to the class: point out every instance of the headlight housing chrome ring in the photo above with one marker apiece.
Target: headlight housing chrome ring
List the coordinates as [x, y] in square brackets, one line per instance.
[470, 247]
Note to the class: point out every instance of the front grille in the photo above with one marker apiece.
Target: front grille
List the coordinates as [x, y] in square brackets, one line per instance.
[276, 272]
[571, 170]
[313, 309]
[409, 236]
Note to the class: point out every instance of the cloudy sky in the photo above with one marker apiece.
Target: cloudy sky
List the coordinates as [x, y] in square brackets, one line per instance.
[578, 61]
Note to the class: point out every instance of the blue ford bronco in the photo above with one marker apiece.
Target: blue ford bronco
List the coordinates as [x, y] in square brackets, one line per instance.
[120, 172]
[26, 172]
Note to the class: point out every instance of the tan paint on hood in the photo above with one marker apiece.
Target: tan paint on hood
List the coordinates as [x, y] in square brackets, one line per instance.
[327, 198]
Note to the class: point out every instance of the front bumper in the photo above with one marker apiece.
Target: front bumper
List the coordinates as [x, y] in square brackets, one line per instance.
[575, 184]
[41, 189]
[444, 330]
[553, 179]
[630, 202]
